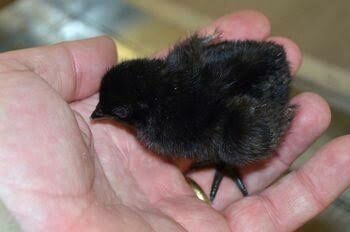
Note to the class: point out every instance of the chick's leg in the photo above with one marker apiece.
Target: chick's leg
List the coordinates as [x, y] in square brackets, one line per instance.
[225, 170]
[215, 184]
[238, 180]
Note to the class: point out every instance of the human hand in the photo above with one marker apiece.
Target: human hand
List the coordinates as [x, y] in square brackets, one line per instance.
[61, 172]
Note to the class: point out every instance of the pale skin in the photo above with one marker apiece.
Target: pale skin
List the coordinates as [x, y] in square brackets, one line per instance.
[59, 171]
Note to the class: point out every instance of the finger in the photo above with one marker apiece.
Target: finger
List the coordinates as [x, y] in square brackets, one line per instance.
[301, 195]
[311, 120]
[74, 69]
[240, 25]
[293, 52]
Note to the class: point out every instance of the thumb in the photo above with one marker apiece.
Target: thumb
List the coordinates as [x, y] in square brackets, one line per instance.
[74, 69]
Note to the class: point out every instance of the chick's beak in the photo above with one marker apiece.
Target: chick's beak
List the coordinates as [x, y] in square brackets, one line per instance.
[97, 113]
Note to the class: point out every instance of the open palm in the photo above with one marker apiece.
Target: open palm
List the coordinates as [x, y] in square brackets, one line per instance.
[61, 172]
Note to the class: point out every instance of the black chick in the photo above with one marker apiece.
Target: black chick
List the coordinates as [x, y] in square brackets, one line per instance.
[222, 103]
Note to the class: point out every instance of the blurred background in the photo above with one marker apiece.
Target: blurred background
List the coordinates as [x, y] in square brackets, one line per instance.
[142, 27]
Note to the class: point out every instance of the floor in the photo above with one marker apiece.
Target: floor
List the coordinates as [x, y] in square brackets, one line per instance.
[317, 26]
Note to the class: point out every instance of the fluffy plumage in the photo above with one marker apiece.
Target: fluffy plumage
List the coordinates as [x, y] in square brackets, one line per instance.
[219, 102]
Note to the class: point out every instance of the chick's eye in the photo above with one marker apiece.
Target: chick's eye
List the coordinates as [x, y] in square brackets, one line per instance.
[121, 111]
